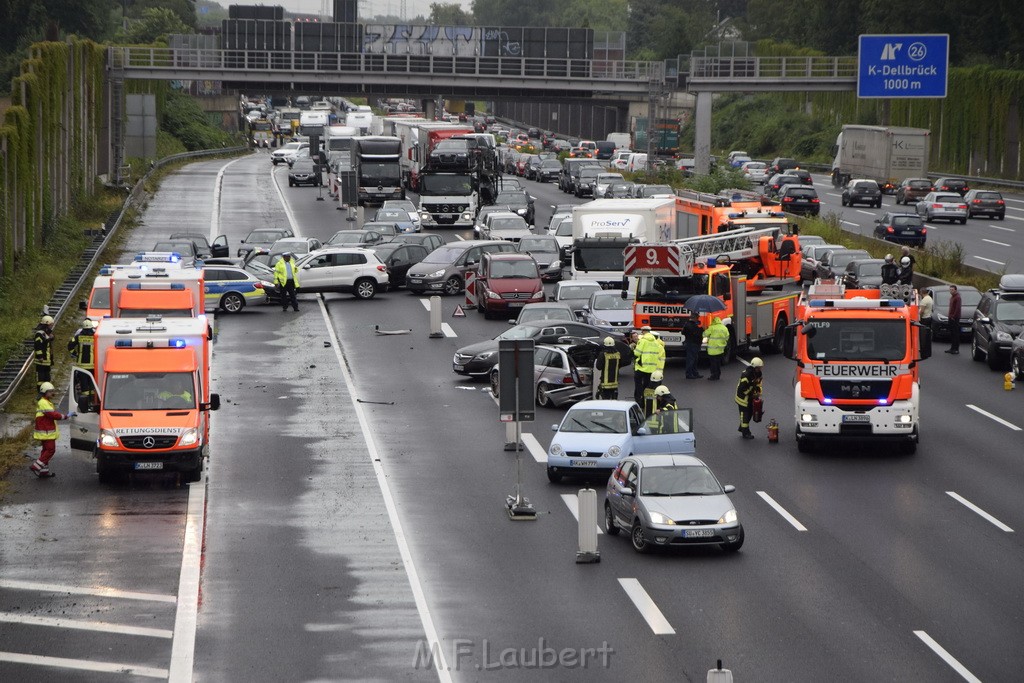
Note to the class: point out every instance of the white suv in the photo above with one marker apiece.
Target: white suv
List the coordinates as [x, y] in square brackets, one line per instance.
[343, 269]
[286, 154]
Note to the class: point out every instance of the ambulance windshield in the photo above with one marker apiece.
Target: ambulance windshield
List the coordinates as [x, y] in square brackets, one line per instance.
[149, 391]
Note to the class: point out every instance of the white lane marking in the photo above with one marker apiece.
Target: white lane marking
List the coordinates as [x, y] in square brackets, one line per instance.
[971, 506]
[101, 591]
[782, 511]
[434, 643]
[833, 194]
[448, 331]
[1016, 218]
[993, 417]
[83, 665]
[186, 617]
[532, 445]
[1001, 244]
[982, 258]
[1010, 199]
[999, 227]
[869, 213]
[460, 237]
[215, 214]
[572, 501]
[426, 304]
[849, 223]
[101, 626]
[946, 657]
[648, 610]
[284, 203]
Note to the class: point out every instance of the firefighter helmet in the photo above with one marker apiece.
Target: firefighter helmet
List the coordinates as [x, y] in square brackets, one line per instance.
[46, 320]
[608, 341]
[657, 376]
[88, 324]
[756, 362]
[46, 387]
[661, 390]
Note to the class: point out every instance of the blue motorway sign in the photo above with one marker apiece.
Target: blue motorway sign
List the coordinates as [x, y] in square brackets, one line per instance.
[902, 66]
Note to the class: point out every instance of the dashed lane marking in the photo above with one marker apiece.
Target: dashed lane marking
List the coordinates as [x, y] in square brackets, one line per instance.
[448, 331]
[648, 610]
[974, 508]
[782, 511]
[946, 657]
[993, 417]
[999, 227]
[532, 445]
[83, 665]
[1001, 244]
[982, 258]
[87, 625]
[868, 213]
[572, 501]
[100, 591]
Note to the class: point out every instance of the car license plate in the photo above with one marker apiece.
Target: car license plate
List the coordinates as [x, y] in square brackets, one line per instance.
[516, 304]
[672, 338]
[583, 463]
[149, 466]
[415, 281]
[965, 328]
[459, 368]
[698, 533]
[907, 232]
[856, 418]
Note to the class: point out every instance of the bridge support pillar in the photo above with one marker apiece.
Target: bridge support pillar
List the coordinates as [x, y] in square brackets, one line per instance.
[702, 134]
[429, 109]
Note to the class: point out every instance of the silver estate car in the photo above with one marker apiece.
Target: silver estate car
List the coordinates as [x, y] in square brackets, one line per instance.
[670, 500]
[947, 206]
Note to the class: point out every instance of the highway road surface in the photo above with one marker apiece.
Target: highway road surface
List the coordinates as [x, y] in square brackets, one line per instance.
[351, 523]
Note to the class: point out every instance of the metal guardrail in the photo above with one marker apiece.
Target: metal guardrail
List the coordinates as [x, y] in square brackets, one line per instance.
[241, 65]
[18, 366]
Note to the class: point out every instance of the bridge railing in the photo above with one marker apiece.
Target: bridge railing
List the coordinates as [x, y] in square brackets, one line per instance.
[773, 67]
[178, 59]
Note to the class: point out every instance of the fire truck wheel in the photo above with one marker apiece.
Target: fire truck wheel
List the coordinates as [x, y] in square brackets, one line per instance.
[804, 445]
[909, 447]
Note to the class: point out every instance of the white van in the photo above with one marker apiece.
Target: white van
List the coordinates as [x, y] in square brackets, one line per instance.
[621, 140]
[637, 162]
[360, 119]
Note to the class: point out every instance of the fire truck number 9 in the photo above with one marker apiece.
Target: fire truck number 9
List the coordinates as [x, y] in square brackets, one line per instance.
[652, 258]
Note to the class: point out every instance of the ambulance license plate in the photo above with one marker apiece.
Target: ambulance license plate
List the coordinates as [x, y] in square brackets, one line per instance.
[149, 465]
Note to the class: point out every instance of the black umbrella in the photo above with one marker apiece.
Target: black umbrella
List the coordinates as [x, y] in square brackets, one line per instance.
[705, 303]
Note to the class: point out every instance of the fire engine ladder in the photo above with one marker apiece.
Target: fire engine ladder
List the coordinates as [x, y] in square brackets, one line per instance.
[734, 244]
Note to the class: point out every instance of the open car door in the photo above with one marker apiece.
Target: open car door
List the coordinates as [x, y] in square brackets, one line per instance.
[84, 399]
[669, 431]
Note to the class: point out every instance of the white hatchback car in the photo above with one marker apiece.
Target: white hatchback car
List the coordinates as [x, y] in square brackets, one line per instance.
[343, 269]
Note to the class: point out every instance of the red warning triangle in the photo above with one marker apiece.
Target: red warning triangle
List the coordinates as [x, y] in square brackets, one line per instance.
[459, 313]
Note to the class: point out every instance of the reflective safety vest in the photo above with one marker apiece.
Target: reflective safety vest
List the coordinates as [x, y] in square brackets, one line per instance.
[650, 405]
[81, 348]
[610, 370]
[647, 351]
[718, 338]
[748, 386]
[661, 353]
[46, 421]
[281, 273]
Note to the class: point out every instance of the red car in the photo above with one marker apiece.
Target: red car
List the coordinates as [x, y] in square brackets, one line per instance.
[506, 282]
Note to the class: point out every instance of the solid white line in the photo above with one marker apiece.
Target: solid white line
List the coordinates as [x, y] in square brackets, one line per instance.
[434, 643]
[782, 511]
[532, 445]
[982, 258]
[833, 194]
[993, 417]
[215, 214]
[572, 501]
[999, 227]
[101, 626]
[183, 647]
[284, 203]
[648, 610]
[869, 213]
[448, 331]
[946, 657]
[83, 665]
[101, 591]
[968, 504]
[1001, 244]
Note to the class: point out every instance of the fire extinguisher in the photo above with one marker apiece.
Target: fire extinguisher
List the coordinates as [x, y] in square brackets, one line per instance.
[773, 431]
[757, 409]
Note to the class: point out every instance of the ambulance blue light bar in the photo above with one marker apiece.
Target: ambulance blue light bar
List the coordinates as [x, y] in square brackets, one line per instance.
[176, 343]
[138, 285]
[159, 257]
[857, 303]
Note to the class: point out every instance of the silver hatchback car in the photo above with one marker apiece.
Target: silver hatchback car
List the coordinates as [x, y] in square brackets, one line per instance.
[670, 500]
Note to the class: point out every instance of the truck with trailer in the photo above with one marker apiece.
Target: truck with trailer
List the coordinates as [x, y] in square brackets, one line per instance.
[454, 172]
[734, 273]
[885, 154]
[858, 354]
[418, 139]
[378, 173]
[168, 293]
[146, 407]
[601, 229]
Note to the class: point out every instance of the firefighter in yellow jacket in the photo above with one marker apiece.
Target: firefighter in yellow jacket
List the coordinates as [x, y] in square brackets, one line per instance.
[747, 389]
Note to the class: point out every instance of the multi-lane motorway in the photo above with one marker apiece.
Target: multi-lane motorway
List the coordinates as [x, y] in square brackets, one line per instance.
[352, 520]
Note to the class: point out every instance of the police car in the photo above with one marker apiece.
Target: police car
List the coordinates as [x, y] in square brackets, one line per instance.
[232, 289]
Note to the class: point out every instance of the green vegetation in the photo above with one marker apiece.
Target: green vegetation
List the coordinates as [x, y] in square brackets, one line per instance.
[184, 119]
